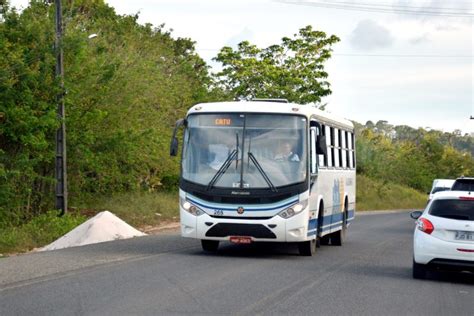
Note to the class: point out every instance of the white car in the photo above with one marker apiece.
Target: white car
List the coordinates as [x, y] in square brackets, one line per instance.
[440, 185]
[444, 234]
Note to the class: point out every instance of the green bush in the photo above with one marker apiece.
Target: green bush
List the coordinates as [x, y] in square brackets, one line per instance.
[382, 195]
[38, 232]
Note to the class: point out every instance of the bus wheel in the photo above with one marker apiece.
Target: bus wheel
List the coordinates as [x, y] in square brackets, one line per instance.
[325, 240]
[337, 238]
[307, 248]
[209, 245]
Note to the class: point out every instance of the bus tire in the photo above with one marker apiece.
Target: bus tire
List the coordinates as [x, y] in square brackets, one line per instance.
[307, 248]
[337, 238]
[210, 245]
[325, 240]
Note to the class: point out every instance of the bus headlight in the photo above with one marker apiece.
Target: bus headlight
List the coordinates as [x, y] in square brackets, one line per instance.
[190, 207]
[294, 209]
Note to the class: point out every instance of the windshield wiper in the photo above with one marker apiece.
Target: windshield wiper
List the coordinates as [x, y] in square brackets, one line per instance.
[226, 164]
[222, 169]
[262, 172]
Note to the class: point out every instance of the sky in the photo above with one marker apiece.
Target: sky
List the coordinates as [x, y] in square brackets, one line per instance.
[398, 60]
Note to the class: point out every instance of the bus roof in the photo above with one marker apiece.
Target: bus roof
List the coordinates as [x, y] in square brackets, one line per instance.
[271, 107]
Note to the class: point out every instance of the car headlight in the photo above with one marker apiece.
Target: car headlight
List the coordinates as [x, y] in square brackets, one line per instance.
[190, 207]
[294, 209]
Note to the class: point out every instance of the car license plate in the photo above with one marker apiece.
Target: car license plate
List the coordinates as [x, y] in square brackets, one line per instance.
[460, 235]
[240, 240]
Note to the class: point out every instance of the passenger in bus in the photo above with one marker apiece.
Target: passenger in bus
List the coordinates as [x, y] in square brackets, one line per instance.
[285, 153]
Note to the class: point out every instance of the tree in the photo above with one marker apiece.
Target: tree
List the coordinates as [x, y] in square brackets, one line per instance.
[293, 69]
[125, 89]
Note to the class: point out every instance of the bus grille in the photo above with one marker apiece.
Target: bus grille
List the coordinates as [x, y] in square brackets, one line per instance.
[251, 230]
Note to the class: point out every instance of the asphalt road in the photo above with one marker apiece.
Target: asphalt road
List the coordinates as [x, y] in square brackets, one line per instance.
[166, 274]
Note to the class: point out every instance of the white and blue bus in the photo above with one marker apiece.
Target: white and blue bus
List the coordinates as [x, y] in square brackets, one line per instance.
[266, 171]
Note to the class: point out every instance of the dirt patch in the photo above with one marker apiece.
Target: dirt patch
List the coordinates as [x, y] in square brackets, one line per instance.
[162, 228]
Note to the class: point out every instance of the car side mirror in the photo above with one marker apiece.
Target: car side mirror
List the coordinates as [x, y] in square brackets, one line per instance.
[416, 214]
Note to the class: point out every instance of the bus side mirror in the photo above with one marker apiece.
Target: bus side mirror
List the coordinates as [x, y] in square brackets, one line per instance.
[321, 148]
[174, 140]
[174, 147]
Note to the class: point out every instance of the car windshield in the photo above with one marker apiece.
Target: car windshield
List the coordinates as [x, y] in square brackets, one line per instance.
[453, 209]
[463, 185]
[270, 150]
[440, 189]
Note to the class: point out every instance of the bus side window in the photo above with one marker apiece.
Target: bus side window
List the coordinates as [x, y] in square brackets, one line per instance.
[351, 150]
[348, 150]
[323, 159]
[330, 144]
[342, 150]
[336, 148]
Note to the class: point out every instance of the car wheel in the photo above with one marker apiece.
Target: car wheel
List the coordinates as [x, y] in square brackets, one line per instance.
[419, 270]
[210, 245]
[307, 248]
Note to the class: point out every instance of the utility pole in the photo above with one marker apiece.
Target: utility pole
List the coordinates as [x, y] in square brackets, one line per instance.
[61, 166]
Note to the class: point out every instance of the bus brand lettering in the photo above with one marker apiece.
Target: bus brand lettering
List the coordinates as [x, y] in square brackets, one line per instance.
[240, 193]
[223, 121]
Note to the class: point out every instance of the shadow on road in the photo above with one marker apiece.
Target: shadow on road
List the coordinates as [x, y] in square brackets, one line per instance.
[451, 277]
[405, 272]
[255, 250]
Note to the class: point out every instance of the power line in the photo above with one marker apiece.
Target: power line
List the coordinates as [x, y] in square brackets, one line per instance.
[405, 55]
[378, 55]
[372, 8]
[381, 10]
[394, 6]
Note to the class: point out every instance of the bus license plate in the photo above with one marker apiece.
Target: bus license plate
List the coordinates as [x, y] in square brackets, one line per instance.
[240, 240]
[464, 236]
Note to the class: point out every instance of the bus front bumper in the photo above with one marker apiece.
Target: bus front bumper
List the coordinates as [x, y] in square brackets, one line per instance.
[275, 229]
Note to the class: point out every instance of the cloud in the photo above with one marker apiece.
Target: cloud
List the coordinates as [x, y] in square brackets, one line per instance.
[245, 35]
[439, 10]
[369, 35]
[424, 38]
[446, 28]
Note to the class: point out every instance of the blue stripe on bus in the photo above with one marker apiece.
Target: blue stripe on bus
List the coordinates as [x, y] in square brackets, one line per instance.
[313, 224]
[329, 222]
[246, 209]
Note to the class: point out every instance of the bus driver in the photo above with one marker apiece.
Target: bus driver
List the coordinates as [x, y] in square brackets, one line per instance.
[285, 153]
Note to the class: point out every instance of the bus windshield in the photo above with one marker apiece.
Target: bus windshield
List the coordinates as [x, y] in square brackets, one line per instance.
[245, 150]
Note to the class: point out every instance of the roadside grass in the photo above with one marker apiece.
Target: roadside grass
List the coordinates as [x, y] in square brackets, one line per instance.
[379, 195]
[38, 232]
[144, 210]
[139, 209]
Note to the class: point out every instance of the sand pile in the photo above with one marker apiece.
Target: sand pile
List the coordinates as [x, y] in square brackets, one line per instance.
[105, 226]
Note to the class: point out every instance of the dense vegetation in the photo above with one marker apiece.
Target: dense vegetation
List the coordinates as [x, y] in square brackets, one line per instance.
[412, 157]
[125, 89]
